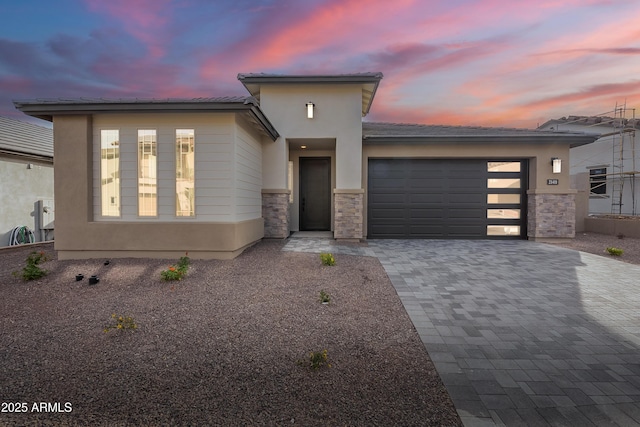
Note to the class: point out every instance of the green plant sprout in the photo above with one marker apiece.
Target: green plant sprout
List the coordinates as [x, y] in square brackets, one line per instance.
[32, 270]
[327, 259]
[615, 251]
[178, 271]
[121, 323]
[316, 360]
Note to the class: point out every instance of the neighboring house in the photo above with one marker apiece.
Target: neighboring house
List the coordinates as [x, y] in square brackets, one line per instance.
[611, 165]
[212, 176]
[26, 177]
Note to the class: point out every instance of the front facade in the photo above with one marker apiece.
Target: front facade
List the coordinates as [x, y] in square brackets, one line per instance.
[26, 174]
[212, 176]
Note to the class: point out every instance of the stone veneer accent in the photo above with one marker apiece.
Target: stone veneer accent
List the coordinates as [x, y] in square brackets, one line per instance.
[551, 215]
[348, 216]
[275, 212]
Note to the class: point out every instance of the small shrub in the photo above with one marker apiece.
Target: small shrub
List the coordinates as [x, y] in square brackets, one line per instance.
[176, 272]
[615, 251]
[327, 259]
[325, 298]
[316, 360]
[121, 323]
[32, 270]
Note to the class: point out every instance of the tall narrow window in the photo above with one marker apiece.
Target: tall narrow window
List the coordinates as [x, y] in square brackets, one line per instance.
[147, 173]
[185, 178]
[110, 172]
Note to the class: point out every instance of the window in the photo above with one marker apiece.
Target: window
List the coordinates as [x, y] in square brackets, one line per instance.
[147, 173]
[110, 172]
[504, 198]
[598, 180]
[503, 166]
[185, 177]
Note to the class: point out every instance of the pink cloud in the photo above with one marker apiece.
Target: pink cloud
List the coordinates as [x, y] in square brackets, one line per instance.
[144, 19]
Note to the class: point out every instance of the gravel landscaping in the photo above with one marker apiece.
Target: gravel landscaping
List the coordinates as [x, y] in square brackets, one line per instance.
[226, 345]
[223, 346]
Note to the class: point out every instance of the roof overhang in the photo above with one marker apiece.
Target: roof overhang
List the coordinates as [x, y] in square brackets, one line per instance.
[247, 106]
[572, 140]
[369, 82]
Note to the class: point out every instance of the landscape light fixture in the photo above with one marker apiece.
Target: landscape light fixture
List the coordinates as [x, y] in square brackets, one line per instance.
[310, 107]
[557, 165]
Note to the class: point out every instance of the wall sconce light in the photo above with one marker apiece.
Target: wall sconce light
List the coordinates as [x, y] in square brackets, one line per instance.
[557, 164]
[310, 108]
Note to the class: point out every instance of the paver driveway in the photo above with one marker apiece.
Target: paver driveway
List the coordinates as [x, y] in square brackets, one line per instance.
[521, 333]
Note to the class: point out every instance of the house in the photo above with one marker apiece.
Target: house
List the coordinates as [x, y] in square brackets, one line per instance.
[212, 176]
[26, 174]
[610, 167]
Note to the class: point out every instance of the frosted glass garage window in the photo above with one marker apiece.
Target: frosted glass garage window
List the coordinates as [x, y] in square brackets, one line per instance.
[110, 172]
[185, 176]
[503, 213]
[503, 183]
[503, 166]
[503, 230]
[494, 199]
[147, 173]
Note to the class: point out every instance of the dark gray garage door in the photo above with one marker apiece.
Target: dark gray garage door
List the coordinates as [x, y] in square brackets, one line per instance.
[446, 199]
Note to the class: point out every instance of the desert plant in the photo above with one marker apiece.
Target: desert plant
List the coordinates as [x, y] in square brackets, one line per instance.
[327, 259]
[325, 298]
[32, 270]
[121, 323]
[176, 272]
[316, 360]
[615, 251]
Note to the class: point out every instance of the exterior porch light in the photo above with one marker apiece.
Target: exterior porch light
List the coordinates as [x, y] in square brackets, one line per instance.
[310, 107]
[557, 164]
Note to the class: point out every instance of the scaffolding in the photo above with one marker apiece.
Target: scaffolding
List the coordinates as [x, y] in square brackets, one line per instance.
[624, 167]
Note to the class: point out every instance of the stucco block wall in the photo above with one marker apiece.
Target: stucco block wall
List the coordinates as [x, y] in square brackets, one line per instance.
[22, 186]
[551, 215]
[349, 214]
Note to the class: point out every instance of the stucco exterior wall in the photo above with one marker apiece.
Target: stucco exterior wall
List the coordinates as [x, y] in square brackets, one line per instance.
[24, 182]
[338, 116]
[81, 234]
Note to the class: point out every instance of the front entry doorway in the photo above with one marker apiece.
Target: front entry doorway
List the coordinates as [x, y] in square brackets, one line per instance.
[315, 194]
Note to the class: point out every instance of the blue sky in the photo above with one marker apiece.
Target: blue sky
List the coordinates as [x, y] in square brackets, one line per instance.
[487, 62]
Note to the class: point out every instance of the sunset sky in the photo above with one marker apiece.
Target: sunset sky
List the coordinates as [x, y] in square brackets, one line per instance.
[511, 63]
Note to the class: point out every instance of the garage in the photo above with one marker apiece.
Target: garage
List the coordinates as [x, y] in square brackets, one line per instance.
[446, 198]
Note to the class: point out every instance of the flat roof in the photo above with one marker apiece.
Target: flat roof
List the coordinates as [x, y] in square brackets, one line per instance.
[369, 82]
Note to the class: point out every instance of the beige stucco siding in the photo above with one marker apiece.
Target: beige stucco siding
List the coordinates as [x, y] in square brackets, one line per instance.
[248, 172]
[338, 115]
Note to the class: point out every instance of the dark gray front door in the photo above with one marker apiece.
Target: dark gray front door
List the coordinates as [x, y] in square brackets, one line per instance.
[446, 199]
[315, 193]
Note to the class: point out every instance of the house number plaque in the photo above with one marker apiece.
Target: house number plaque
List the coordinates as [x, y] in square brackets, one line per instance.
[552, 182]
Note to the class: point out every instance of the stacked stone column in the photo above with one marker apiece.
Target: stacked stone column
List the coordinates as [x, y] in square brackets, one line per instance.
[275, 211]
[348, 214]
[551, 215]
